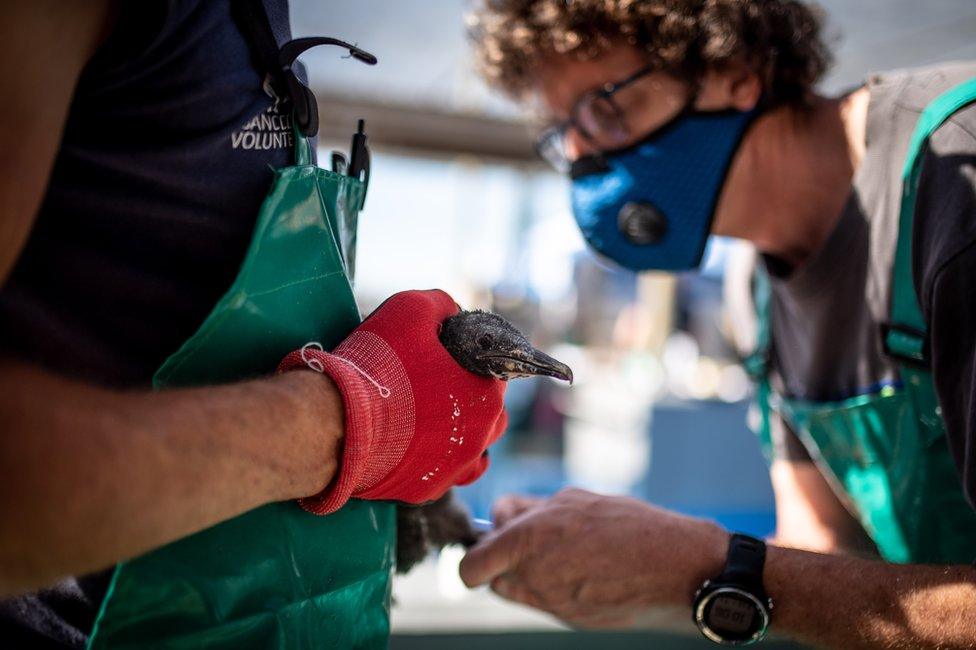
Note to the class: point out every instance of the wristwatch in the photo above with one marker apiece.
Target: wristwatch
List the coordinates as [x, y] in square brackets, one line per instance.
[733, 608]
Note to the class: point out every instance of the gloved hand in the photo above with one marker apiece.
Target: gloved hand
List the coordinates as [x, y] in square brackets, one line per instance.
[416, 423]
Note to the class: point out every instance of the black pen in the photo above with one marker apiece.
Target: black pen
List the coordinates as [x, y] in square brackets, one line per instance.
[359, 154]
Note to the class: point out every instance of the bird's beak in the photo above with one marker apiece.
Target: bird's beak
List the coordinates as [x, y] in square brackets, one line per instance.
[528, 361]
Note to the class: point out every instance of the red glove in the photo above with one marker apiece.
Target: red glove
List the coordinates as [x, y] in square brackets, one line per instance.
[416, 423]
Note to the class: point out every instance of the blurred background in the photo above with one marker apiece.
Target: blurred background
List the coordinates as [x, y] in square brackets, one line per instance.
[457, 200]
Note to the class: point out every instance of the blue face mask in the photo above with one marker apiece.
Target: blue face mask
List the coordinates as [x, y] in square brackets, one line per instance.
[650, 205]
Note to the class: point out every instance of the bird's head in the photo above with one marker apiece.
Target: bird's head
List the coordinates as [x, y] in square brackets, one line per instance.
[488, 345]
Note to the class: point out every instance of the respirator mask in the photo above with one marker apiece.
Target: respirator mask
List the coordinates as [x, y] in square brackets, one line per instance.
[649, 204]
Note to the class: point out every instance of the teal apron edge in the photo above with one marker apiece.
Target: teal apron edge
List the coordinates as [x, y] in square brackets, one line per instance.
[880, 432]
[237, 294]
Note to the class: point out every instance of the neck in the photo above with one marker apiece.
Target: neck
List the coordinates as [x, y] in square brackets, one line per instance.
[792, 175]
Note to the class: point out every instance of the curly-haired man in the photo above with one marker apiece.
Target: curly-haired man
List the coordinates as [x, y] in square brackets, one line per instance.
[676, 119]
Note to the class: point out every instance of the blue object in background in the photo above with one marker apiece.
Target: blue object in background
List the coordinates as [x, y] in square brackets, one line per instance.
[704, 462]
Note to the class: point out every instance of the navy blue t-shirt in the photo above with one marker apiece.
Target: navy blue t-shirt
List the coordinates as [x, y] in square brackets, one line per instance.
[166, 157]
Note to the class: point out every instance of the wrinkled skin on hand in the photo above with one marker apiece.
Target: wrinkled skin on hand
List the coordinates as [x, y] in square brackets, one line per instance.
[594, 561]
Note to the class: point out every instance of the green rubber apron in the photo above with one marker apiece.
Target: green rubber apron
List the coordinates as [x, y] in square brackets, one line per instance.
[886, 453]
[275, 577]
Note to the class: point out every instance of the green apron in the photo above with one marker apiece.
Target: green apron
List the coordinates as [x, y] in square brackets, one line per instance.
[886, 453]
[277, 576]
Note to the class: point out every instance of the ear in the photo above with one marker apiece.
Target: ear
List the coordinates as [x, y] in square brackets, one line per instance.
[734, 86]
[745, 90]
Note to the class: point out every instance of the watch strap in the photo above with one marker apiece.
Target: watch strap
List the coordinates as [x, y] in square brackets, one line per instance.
[744, 563]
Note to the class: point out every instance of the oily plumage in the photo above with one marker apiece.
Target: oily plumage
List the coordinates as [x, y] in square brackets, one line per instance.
[422, 529]
[487, 345]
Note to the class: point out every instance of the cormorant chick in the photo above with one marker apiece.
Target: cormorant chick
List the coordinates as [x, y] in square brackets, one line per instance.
[421, 529]
[487, 345]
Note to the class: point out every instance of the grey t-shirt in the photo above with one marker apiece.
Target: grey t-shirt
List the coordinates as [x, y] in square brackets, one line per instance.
[826, 314]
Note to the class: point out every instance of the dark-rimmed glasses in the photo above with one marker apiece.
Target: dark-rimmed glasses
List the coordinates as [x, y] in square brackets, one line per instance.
[597, 117]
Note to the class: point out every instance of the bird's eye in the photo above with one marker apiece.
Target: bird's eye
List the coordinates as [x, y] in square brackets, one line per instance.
[485, 341]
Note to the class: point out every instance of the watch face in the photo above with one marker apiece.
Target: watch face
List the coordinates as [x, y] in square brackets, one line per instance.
[731, 615]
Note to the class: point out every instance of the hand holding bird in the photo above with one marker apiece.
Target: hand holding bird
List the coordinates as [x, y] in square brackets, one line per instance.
[422, 385]
[415, 422]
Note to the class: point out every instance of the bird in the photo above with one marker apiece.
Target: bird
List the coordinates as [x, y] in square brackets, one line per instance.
[422, 529]
[487, 345]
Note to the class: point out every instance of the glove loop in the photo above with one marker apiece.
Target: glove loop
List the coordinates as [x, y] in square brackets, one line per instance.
[432, 422]
[312, 362]
[317, 366]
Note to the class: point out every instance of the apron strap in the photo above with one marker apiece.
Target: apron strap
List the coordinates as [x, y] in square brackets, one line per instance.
[278, 62]
[757, 364]
[905, 337]
[252, 19]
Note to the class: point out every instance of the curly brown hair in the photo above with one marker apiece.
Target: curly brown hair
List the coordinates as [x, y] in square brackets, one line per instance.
[781, 40]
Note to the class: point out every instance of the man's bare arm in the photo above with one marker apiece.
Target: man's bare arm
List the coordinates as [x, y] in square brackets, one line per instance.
[90, 476]
[846, 602]
[44, 44]
[599, 561]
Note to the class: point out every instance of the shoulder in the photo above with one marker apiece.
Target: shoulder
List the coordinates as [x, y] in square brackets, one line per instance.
[148, 32]
[945, 210]
[898, 98]
[911, 89]
[908, 93]
[137, 29]
[944, 219]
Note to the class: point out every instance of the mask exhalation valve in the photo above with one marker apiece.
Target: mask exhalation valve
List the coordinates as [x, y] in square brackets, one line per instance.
[641, 223]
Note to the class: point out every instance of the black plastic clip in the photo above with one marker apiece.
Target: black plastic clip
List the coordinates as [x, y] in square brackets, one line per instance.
[302, 98]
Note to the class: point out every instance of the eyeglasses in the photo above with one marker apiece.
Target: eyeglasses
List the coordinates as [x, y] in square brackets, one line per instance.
[597, 117]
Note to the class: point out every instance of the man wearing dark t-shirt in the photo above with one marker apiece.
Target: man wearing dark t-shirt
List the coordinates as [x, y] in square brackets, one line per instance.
[146, 213]
[137, 142]
[641, 98]
[849, 273]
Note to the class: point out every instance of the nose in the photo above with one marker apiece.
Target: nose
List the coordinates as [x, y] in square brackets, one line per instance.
[577, 145]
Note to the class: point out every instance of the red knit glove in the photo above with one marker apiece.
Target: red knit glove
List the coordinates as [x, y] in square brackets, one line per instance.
[416, 423]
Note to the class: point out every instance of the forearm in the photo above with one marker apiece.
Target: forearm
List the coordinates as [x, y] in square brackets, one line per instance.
[846, 602]
[90, 476]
